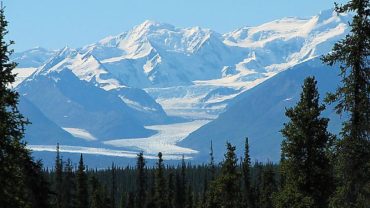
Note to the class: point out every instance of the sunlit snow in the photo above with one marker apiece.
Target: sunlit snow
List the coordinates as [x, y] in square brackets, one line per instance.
[164, 141]
[81, 133]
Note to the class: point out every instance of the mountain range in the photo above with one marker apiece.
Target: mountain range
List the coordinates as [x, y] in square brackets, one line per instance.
[162, 88]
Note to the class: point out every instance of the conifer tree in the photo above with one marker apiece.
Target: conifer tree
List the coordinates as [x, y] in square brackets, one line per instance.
[106, 197]
[247, 195]
[130, 200]
[212, 167]
[182, 194]
[306, 166]
[17, 167]
[123, 201]
[257, 186]
[210, 194]
[353, 97]
[113, 187]
[68, 187]
[227, 185]
[141, 181]
[58, 178]
[179, 192]
[97, 200]
[160, 184]
[189, 197]
[171, 190]
[38, 184]
[268, 187]
[82, 190]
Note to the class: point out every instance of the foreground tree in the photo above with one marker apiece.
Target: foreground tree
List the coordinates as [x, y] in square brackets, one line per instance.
[113, 187]
[160, 184]
[141, 181]
[18, 172]
[97, 199]
[268, 186]
[68, 187]
[58, 179]
[353, 97]
[82, 189]
[227, 185]
[306, 168]
[246, 165]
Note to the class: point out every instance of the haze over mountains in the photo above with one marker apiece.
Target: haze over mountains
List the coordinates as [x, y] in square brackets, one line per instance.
[147, 89]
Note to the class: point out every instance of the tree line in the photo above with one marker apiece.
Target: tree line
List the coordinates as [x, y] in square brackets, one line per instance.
[317, 168]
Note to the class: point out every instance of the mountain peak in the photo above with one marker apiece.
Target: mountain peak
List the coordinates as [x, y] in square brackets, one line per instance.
[150, 25]
[326, 14]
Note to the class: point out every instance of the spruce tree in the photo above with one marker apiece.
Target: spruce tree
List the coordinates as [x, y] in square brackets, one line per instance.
[171, 190]
[210, 194]
[38, 185]
[82, 189]
[257, 186]
[141, 181]
[212, 167]
[68, 187]
[17, 167]
[306, 166]
[353, 97]
[247, 194]
[227, 185]
[189, 197]
[97, 200]
[160, 184]
[268, 186]
[130, 200]
[58, 178]
[113, 187]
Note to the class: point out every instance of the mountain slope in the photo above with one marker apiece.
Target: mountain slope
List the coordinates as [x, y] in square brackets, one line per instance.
[259, 113]
[42, 130]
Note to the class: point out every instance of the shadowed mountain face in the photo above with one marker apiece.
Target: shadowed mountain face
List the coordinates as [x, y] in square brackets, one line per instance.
[42, 130]
[72, 103]
[259, 113]
[132, 84]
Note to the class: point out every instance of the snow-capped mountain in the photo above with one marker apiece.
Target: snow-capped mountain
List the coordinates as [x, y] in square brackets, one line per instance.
[129, 85]
[34, 57]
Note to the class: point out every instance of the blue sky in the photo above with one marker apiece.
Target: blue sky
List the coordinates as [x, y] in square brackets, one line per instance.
[56, 23]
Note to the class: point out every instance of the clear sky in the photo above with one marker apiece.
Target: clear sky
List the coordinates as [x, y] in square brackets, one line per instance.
[56, 23]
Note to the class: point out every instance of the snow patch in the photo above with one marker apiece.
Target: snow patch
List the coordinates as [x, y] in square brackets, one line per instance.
[81, 133]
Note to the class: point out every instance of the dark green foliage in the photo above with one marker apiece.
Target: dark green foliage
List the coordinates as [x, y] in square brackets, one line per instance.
[58, 180]
[181, 185]
[39, 187]
[160, 196]
[306, 168]
[100, 184]
[247, 192]
[68, 187]
[227, 185]
[130, 200]
[353, 97]
[97, 200]
[82, 189]
[141, 181]
[171, 190]
[268, 187]
[113, 187]
[21, 180]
